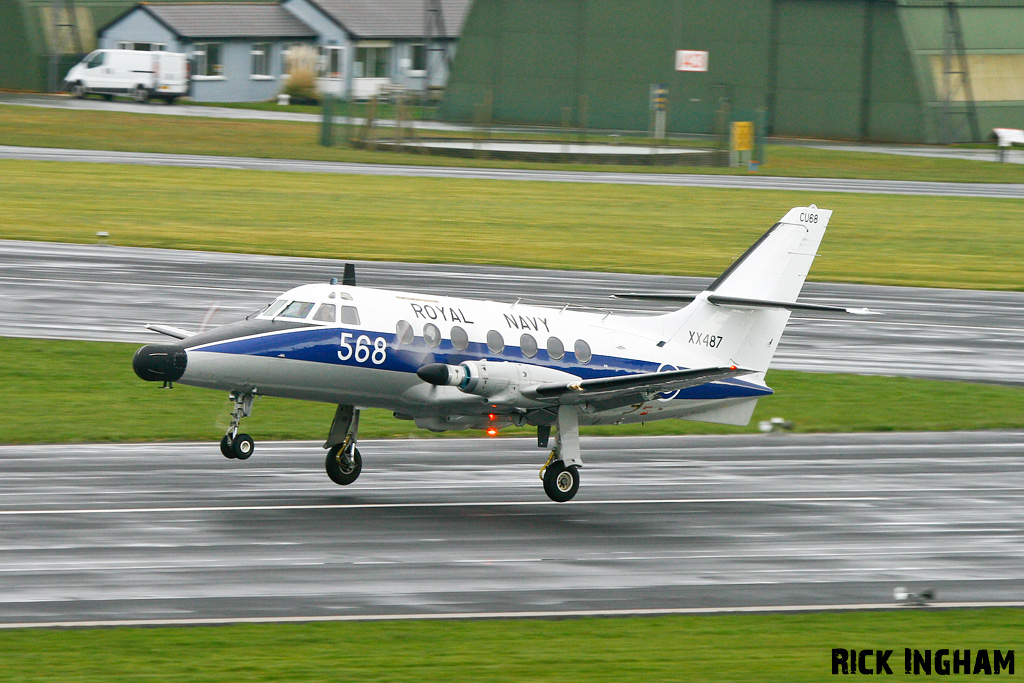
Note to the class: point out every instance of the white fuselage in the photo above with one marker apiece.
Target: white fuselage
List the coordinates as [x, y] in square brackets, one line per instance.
[361, 346]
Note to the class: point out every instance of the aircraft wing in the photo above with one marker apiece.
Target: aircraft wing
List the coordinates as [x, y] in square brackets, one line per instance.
[648, 382]
[175, 332]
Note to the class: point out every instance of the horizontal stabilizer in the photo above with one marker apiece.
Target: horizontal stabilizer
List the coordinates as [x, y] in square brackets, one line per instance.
[175, 332]
[640, 296]
[652, 382]
[739, 302]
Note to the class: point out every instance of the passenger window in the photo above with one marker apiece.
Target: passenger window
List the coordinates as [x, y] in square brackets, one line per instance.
[431, 334]
[460, 340]
[495, 342]
[529, 345]
[582, 350]
[405, 332]
[97, 60]
[297, 309]
[555, 348]
[349, 315]
[327, 313]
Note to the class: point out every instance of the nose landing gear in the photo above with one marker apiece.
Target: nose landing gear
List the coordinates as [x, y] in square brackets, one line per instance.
[234, 445]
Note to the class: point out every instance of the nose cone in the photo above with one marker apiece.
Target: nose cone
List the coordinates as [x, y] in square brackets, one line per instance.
[160, 362]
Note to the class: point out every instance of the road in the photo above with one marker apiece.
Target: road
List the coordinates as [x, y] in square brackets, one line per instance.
[440, 527]
[109, 293]
[1013, 156]
[746, 182]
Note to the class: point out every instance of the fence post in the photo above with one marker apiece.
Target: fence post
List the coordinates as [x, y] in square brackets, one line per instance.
[327, 122]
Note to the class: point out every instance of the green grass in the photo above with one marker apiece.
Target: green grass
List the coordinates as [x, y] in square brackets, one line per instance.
[40, 127]
[883, 239]
[70, 391]
[384, 110]
[723, 648]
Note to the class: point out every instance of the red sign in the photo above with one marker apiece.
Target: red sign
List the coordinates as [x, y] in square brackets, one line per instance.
[691, 60]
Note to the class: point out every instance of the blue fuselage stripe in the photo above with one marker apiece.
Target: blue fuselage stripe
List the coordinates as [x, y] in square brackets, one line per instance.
[362, 349]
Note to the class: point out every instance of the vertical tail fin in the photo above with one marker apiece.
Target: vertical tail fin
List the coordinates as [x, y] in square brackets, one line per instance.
[775, 267]
[740, 317]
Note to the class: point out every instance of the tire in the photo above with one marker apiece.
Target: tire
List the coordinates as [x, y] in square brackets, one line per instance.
[79, 90]
[243, 446]
[225, 448]
[140, 94]
[171, 99]
[560, 482]
[339, 472]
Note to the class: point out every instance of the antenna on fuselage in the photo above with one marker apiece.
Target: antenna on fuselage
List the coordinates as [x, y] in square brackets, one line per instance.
[349, 276]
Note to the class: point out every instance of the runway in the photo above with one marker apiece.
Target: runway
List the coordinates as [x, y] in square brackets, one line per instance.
[176, 532]
[109, 293]
[744, 182]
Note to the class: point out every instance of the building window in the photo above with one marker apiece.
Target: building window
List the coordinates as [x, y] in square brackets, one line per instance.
[330, 61]
[372, 62]
[142, 47]
[301, 57]
[209, 59]
[260, 59]
[419, 57]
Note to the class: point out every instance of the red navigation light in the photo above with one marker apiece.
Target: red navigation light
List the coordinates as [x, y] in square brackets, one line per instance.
[492, 431]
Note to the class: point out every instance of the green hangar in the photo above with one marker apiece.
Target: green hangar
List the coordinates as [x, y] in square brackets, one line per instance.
[883, 70]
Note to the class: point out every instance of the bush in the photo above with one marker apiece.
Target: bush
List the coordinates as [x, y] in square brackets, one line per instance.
[301, 62]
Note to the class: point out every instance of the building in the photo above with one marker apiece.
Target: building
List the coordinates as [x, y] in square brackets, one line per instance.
[237, 49]
[886, 70]
[370, 45]
[364, 46]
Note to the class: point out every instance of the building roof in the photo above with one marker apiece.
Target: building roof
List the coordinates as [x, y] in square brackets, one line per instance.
[229, 20]
[393, 18]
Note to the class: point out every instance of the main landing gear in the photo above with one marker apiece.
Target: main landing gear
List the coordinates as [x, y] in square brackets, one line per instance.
[561, 473]
[343, 462]
[235, 445]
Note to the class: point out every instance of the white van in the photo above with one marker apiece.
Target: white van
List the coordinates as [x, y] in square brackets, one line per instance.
[136, 73]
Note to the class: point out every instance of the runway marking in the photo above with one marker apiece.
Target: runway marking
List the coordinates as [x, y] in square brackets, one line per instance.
[108, 283]
[476, 504]
[475, 616]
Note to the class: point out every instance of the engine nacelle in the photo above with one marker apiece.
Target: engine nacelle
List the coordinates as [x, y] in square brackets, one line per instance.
[500, 381]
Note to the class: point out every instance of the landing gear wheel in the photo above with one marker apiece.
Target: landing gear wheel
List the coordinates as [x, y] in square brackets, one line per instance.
[243, 446]
[226, 448]
[343, 468]
[560, 482]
